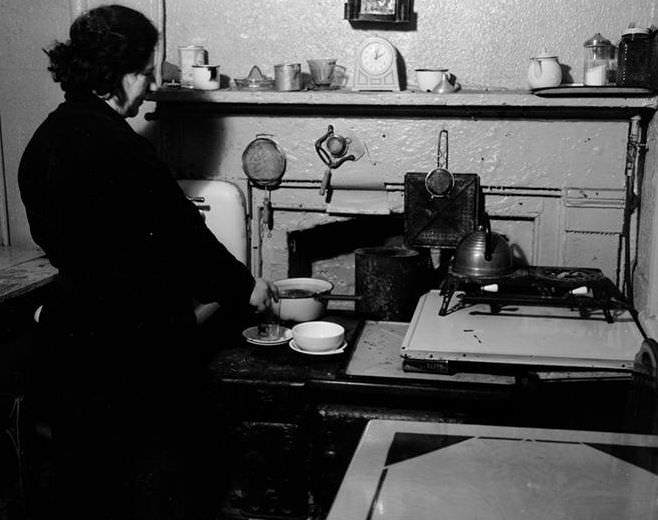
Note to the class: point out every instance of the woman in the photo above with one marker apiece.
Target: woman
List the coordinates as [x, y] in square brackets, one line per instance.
[132, 428]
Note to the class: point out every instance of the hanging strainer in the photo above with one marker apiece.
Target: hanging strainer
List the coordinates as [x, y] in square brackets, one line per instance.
[264, 163]
[439, 181]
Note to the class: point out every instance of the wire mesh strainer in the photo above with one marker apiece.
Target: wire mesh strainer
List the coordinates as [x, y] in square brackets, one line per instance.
[264, 163]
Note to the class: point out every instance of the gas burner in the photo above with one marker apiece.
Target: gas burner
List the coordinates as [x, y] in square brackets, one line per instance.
[581, 289]
[569, 275]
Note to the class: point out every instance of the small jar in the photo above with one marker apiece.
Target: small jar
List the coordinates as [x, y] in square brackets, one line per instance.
[599, 65]
[634, 57]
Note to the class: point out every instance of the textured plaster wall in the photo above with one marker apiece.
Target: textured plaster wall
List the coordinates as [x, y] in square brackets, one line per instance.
[27, 92]
[485, 43]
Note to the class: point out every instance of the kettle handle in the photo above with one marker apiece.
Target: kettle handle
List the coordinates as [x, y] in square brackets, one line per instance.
[488, 238]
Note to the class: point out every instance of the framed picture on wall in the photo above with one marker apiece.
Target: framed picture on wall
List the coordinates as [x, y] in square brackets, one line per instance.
[391, 11]
[378, 7]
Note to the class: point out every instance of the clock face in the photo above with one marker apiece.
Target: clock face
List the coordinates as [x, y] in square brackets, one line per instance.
[376, 58]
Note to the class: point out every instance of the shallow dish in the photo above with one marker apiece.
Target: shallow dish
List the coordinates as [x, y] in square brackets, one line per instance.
[339, 350]
[253, 336]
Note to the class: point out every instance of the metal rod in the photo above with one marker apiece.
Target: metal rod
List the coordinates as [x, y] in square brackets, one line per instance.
[634, 148]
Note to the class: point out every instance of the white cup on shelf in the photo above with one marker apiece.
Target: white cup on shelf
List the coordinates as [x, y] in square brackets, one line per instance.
[205, 77]
[429, 78]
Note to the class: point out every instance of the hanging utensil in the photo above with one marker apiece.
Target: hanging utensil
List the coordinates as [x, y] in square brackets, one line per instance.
[439, 181]
[334, 149]
[264, 163]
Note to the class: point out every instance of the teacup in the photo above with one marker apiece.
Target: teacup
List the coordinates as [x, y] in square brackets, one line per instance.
[322, 71]
[205, 77]
[429, 78]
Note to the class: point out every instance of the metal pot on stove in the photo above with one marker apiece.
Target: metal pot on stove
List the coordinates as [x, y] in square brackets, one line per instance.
[305, 299]
[483, 254]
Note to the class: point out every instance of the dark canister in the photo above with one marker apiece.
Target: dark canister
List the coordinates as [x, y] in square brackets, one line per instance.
[389, 281]
[633, 62]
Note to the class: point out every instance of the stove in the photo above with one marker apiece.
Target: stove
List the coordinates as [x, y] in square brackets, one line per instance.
[582, 289]
[546, 318]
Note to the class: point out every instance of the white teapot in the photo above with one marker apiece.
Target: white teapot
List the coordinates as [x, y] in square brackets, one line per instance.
[544, 71]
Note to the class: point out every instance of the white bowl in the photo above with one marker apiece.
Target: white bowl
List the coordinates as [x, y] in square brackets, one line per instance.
[318, 336]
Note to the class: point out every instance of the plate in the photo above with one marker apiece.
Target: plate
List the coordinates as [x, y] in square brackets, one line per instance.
[252, 336]
[580, 90]
[294, 346]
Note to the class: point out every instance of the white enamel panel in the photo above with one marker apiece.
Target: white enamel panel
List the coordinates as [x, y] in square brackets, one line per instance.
[497, 473]
[527, 335]
[223, 207]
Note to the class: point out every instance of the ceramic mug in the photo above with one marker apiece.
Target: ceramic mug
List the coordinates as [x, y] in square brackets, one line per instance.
[205, 77]
[429, 78]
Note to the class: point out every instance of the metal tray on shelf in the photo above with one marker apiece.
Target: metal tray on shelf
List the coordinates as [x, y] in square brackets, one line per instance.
[580, 90]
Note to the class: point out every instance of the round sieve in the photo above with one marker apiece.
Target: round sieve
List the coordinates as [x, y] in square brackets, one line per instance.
[264, 163]
[439, 181]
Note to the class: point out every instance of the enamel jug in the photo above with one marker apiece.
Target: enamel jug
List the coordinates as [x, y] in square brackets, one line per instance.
[544, 71]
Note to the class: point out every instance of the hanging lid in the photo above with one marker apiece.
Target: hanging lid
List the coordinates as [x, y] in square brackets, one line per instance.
[598, 41]
[263, 161]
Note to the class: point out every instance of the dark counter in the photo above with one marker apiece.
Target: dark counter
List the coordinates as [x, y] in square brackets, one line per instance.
[295, 420]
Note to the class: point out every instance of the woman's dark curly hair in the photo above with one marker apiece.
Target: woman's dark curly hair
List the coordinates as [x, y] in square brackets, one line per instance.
[105, 44]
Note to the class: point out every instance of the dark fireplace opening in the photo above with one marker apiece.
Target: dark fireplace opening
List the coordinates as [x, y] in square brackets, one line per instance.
[328, 251]
[337, 240]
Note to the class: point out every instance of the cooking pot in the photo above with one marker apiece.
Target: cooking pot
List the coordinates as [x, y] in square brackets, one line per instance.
[483, 253]
[305, 299]
[388, 283]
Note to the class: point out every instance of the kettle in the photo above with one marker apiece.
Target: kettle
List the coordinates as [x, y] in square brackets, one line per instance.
[483, 254]
[544, 71]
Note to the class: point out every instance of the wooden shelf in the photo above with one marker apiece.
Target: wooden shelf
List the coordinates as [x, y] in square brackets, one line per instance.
[466, 103]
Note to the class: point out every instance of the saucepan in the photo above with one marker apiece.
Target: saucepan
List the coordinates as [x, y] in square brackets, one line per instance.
[305, 299]
[388, 283]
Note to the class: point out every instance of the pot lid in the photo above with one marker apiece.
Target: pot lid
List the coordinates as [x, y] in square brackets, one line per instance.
[631, 29]
[597, 41]
[544, 54]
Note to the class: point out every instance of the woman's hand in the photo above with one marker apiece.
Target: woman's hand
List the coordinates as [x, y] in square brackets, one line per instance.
[263, 294]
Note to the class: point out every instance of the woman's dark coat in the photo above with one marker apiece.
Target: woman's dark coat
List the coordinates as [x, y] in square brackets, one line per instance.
[122, 366]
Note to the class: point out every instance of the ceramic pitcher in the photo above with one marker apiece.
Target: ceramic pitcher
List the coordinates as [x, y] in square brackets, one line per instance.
[544, 71]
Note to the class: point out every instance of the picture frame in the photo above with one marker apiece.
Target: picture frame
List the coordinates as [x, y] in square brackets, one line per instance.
[382, 11]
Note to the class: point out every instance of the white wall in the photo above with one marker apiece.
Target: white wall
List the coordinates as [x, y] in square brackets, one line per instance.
[27, 92]
[485, 43]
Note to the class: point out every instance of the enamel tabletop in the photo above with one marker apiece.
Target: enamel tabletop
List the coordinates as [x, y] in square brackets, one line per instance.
[428, 471]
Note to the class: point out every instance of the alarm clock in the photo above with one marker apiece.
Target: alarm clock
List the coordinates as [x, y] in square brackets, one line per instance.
[376, 66]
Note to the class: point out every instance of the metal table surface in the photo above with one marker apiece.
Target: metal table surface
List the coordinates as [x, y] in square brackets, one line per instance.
[420, 470]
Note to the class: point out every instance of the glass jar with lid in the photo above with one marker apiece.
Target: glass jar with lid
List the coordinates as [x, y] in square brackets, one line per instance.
[634, 57]
[600, 65]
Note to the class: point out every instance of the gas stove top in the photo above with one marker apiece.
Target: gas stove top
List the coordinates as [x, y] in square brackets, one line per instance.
[511, 329]
[582, 289]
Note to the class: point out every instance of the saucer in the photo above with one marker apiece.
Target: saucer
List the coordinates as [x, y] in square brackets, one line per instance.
[340, 349]
[252, 336]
